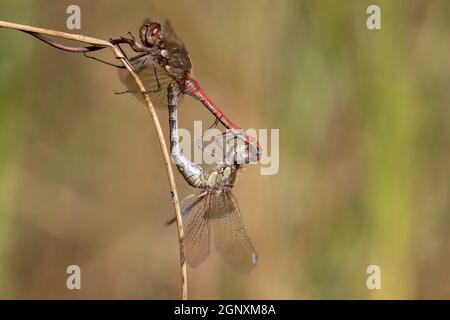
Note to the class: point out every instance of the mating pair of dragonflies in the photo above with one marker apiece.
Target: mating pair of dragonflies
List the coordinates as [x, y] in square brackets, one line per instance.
[163, 64]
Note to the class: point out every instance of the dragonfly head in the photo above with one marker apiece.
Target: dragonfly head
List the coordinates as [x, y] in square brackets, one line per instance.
[150, 33]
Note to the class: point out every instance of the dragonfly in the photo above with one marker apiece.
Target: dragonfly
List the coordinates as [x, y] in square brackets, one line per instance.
[213, 211]
[164, 61]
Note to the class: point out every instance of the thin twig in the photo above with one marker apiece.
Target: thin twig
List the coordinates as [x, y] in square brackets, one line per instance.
[60, 46]
[119, 55]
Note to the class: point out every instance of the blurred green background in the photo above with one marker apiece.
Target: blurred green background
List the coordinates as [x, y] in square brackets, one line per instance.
[364, 140]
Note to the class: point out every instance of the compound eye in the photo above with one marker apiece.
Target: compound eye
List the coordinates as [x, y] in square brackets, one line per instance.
[150, 34]
[155, 31]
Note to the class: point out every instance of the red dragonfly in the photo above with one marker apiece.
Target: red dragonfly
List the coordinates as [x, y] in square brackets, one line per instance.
[163, 61]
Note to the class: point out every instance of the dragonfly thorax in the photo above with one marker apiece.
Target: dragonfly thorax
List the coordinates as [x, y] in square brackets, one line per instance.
[221, 176]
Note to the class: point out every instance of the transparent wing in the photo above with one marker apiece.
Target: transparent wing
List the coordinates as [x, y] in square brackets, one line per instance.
[156, 81]
[178, 56]
[232, 242]
[196, 228]
[170, 37]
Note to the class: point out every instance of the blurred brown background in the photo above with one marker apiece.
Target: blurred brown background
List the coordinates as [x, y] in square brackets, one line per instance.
[364, 141]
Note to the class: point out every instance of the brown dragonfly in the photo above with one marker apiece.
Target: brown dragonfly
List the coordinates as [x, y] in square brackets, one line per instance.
[163, 60]
[215, 205]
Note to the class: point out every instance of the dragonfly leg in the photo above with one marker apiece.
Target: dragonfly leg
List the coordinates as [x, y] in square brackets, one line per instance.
[156, 76]
[131, 42]
[222, 141]
[122, 51]
[103, 61]
[135, 91]
[192, 173]
[140, 55]
[118, 43]
[236, 149]
[132, 37]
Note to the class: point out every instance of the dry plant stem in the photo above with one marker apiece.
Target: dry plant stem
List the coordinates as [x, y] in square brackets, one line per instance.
[119, 55]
